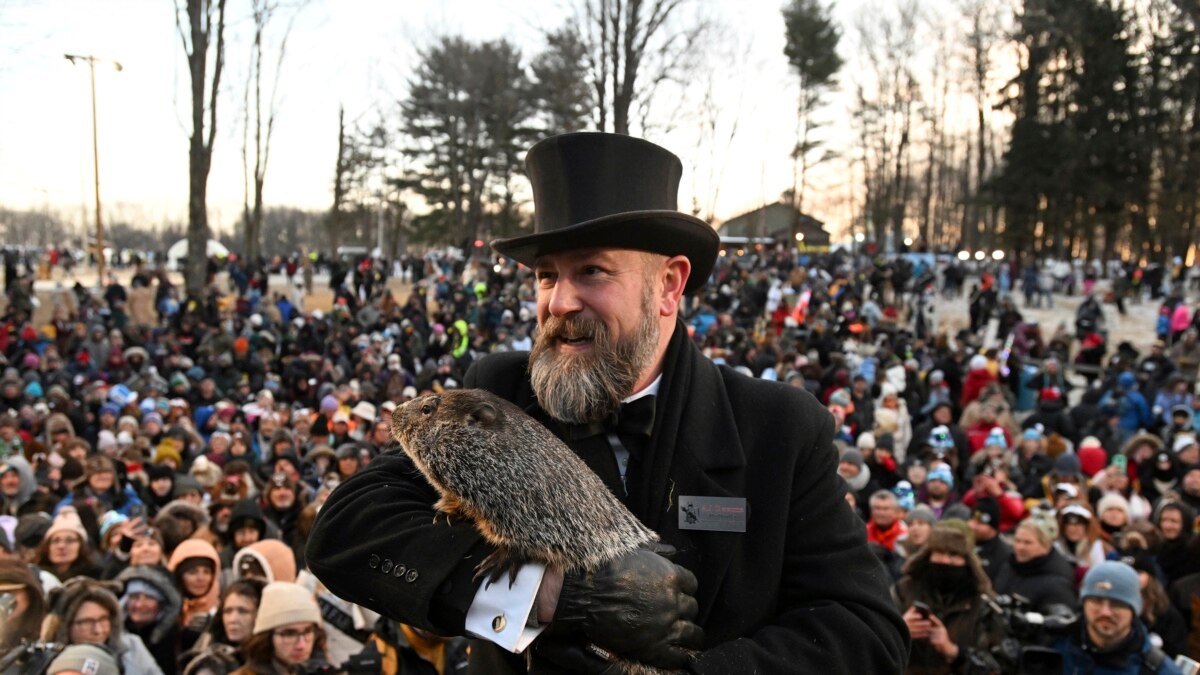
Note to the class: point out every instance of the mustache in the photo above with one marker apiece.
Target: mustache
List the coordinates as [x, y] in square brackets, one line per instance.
[555, 327]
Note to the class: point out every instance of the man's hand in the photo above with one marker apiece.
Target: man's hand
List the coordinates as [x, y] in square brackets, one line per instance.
[918, 626]
[640, 606]
[939, 639]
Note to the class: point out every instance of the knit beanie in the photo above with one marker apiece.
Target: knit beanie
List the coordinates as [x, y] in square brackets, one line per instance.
[997, 438]
[1115, 581]
[284, 603]
[67, 520]
[923, 513]
[84, 658]
[941, 472]
[1112, 500]
[987, 512]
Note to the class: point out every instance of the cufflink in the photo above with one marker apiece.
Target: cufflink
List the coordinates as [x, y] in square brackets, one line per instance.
[499, 623]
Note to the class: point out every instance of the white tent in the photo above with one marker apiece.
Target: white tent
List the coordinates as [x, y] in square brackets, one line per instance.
[178, 252]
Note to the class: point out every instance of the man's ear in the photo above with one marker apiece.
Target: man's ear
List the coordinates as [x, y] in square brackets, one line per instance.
[674, 275]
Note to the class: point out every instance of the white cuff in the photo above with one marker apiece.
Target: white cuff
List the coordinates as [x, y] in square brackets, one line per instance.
[499, 611]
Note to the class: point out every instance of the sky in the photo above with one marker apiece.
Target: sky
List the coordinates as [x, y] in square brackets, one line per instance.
[354, 53]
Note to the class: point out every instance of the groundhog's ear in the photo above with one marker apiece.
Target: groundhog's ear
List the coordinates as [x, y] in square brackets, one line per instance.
[484, 414]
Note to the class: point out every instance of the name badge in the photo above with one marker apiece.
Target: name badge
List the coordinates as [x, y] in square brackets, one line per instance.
[713, 514]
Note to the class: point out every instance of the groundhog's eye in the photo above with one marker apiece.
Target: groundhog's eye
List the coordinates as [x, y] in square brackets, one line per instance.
[426, 409]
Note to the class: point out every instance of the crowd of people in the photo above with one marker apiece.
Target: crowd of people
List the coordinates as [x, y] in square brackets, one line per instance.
[163, 457]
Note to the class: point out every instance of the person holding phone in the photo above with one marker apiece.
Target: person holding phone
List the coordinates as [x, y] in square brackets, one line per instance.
[942, 596]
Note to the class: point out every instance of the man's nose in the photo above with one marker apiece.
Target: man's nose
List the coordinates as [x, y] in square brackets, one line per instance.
[564, 299]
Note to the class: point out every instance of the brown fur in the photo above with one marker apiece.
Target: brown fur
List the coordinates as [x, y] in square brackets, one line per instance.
[528, 494]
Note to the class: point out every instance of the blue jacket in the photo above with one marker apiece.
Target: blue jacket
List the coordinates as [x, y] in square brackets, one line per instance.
[1080, 661]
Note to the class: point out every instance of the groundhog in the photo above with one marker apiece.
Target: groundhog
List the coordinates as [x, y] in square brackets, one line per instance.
[528, 494]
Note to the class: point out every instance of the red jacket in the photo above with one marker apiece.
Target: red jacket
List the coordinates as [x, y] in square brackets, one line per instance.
[886, 538]
[1012, 508]
[974, 383]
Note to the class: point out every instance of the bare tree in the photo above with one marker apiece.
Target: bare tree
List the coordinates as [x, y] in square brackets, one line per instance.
[261, 121]
[633, 48]
[200, 35]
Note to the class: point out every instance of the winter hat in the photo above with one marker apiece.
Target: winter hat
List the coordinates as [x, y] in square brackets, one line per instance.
[854, 457]
[110, 519]
[941, 472]
[977, 362]
[364, 410]
[1092, 459]
[1126, 380]
[31, 529]
[997, 438]
[950, 537]
[143, 587]
[167, 450]
[987, 512]
[283, 603]
[1077, 512]
[1032, 434]
[866, 441]
[105, 440]
[110, 409]
[1115, 581]
[67, 520]
[1182, 442]
[940, 438]
[1067, 464]
[1112, 500]
[84, 658]
[905, 495]
[923, 513]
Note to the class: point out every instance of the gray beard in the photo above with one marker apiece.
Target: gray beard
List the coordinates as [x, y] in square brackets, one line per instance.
[588, 387]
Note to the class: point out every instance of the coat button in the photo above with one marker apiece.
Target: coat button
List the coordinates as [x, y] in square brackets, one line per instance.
[386, 566]
[399, 571]
[499, 623]
[412, 576]
[373, 561]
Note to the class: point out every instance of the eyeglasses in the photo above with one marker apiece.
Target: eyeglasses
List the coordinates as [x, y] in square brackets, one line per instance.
[64, 541]
[92, 624]
[292, 635]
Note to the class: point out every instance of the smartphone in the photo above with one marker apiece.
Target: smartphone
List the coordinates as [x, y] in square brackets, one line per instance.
[922, 609]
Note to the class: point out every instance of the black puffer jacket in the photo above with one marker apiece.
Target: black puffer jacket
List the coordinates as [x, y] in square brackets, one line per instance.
[1044, 581]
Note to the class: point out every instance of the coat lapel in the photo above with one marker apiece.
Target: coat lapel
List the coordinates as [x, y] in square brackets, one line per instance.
[696, 452]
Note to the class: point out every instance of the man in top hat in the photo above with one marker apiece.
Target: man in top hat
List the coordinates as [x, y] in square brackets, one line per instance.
[787, 584]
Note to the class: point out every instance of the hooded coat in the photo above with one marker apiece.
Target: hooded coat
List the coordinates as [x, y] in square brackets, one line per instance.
[65, 602]
[12, 507]
[160, 636]
[196, 610]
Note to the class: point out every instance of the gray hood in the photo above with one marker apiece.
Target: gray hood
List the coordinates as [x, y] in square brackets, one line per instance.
[158, 578]
[28, 482]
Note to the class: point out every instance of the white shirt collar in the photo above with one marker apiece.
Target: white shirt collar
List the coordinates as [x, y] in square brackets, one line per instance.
[650, 390]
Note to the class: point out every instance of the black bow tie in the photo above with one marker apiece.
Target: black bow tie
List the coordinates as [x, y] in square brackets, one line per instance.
[635, 418]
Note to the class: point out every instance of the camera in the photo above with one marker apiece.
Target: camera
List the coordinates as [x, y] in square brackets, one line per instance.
[30, 658]
[1027, 630]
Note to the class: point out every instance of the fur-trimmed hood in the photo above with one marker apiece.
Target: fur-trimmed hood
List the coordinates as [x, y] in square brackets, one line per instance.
[25, 471]
[172, 605]
[182, 510]
[64, 602]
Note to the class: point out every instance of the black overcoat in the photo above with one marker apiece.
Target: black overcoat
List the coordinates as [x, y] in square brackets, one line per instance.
[799, 591]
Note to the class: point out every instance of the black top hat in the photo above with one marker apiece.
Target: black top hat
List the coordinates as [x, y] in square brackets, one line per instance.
[610, 190]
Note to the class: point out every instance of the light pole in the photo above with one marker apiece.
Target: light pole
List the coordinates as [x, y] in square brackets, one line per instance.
[91, 61]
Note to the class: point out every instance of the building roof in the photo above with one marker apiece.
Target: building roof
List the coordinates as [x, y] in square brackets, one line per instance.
[775, 221]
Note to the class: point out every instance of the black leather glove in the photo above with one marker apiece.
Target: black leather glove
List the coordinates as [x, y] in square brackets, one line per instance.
[551, 655]
[639, 606]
